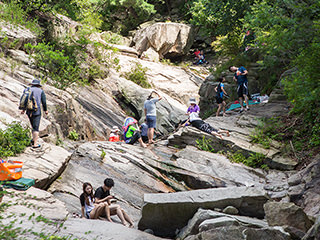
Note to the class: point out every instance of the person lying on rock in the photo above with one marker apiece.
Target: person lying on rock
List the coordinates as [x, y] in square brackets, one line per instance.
[89, 208]
[197, 122]
[102, 195]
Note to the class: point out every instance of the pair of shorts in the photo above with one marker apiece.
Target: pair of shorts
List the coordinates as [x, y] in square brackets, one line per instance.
[219, 99]
[151, 121]
[35, 122]
[242, 89]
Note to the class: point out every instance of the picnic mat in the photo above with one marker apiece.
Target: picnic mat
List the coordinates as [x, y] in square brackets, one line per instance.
[237, 104]
[20, 184]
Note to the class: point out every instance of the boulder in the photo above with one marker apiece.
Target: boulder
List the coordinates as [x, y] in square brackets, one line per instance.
[304, 188]
[240, 127]
[168, 39]
[241, 233]
[314, 232]
[201, 169]
[281, 213]
[175, 209]
[44, 164]
[205, 214]
[230, 210]
[36, 213]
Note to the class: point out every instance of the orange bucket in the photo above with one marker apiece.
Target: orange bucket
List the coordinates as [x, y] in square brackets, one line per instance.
[10, 170]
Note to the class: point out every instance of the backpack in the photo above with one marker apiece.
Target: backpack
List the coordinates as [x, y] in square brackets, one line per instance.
[27, 101]
[219, 90]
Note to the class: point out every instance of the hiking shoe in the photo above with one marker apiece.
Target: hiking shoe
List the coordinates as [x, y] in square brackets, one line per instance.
[241, 110]
[247, 109]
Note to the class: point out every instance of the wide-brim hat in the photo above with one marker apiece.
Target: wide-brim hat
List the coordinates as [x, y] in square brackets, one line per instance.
[192, 101]
[115, 129]
[36, 82]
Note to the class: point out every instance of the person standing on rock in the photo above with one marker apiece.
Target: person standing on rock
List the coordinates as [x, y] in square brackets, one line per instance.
[102, 195]
[89, 209]
[35, 116]
[150, 111]
[240, 76]
[219, 97]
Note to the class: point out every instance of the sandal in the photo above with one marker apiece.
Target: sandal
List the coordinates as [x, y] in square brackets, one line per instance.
[36, 146]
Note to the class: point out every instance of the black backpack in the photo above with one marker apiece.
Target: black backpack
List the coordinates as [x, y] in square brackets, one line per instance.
[219, 90]
[27, 101]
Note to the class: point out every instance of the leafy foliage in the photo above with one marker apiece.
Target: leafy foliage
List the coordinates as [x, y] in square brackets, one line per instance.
[138, 75]
[219, 17]
[205, 144]
[12, 12]
[255, 160]
[73, 135]
[13, 140]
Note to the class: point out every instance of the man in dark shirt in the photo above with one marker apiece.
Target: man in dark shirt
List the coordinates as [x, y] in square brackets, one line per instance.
[102, 194]
[240, 76]
[35, 116]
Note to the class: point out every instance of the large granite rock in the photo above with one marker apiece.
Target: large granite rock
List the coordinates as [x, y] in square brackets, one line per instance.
[240, 127]
[36, 214]
[281, 213]
[173, 210]
[44, 164]
[168, 39]
[304, 188]
[128, 165]
[201, 169]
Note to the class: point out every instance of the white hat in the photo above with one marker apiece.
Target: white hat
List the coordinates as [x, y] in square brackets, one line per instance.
[192, 101]
[115, 129]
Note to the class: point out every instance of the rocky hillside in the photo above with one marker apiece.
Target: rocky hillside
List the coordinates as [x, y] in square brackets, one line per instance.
[172, 189]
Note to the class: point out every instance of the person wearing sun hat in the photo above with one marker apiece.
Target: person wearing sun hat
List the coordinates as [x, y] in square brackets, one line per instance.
[115, 134]
[193, 106]
[35, 116]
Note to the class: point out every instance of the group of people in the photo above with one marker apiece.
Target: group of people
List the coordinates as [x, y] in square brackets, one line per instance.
[145, 133]
[199, 57]
[101, 204]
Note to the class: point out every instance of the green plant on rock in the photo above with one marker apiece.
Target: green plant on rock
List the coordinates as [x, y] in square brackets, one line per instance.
[204, 144]
[103, 154]
[13, 140]
[13, 12]
[138, 75]
[73, 135]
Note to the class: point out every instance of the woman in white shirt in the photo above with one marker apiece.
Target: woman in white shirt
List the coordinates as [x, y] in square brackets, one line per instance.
[89, 209]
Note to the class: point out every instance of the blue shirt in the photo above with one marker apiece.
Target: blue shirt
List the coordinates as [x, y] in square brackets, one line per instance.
[221, 92]
[40, 98]
[241, 78]
[150, 106]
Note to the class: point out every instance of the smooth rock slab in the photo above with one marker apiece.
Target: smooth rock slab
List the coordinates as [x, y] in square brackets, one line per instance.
[43, 164]
[164, 213]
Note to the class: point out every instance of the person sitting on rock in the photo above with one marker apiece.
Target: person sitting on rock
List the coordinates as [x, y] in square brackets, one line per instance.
[90, 209]
[132, 135]
[197, 122]
[144, 131]
[102, 195]
[192, 108]
[115, 134]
